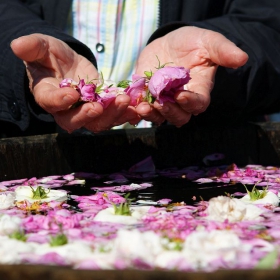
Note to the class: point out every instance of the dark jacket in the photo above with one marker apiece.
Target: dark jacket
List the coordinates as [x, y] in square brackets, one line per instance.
[238, 95]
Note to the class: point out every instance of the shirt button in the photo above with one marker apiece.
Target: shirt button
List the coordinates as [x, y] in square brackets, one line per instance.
[100, 48]
[14, 109]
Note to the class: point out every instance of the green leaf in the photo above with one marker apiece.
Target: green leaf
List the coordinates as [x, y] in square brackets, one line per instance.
[268, 261]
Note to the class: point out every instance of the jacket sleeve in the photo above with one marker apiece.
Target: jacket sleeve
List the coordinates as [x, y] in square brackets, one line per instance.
[18, 19]
[254, 89]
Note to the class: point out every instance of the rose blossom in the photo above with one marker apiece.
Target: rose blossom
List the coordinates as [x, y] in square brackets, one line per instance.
[202, 248]
[108, 215]
[137, 90]
[223, 208]
[87, 91]
[166, 81]
[109, 94]
[25, 193]
[69, 83]
[132, 245]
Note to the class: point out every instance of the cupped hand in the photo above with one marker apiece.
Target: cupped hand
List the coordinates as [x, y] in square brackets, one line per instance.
[197, 49]
[48, 61]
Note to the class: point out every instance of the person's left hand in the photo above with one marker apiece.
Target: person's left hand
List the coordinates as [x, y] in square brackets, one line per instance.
[200, 50]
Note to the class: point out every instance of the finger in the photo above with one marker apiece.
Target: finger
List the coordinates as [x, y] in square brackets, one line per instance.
[76, 118]
[193, 102]
[222, 51]
[53, 99]
[196, 97]
[130, 115]
[149, 113]
[30, 48]
[38, 50]
[112, 113]
[173, 113]
[135, 121]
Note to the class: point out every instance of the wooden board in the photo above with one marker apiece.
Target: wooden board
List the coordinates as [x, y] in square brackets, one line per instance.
[116, 150]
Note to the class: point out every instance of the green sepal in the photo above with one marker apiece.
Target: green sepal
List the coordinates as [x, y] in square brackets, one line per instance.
[123, 209]
[58, 240]
[18, 235]
[39, 193]
[77, 104]
[149, 98]
[123, 83]
[255, 194]
[99, 88]
[148, 74]
[163, 65]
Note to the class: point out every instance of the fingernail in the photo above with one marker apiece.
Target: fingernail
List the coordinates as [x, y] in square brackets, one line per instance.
[147, 105]
[68, 99]
[182, 100]
[91, 113]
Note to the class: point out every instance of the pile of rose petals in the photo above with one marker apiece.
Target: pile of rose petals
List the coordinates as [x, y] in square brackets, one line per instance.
[46, 221]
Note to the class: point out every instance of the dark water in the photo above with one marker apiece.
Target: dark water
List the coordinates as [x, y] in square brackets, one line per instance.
[177, 189]
[183, 190]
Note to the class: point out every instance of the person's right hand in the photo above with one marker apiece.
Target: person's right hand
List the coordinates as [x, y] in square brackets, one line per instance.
[48, 61]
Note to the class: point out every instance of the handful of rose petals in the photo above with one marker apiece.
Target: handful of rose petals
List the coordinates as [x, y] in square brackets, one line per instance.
[161, 86]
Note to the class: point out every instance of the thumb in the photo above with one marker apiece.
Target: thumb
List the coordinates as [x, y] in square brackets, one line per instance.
[31, 47]
[224, 52]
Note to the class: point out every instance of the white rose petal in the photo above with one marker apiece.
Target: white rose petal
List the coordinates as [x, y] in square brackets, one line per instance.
[202, 247]
[130, 245]
[270, 198]
[12, 250]
[108, 215]
[223, 208]
[7, 200]
[104, 260]
[171, 260]
[9, 224]
[25, 193]
[72, 253]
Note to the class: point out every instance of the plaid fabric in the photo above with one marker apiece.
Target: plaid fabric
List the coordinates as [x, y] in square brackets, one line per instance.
[123, 26]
